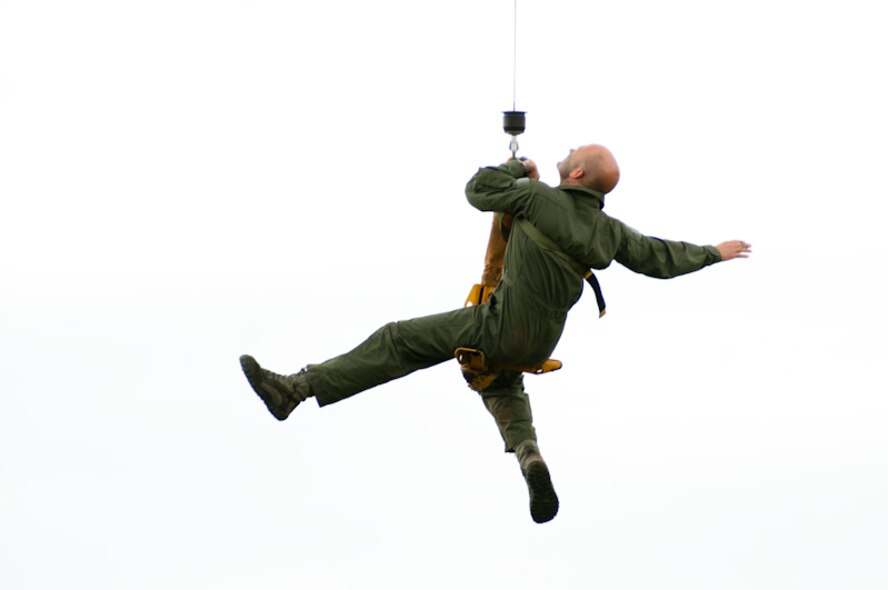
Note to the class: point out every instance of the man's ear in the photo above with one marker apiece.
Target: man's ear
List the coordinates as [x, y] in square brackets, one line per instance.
[577, 173]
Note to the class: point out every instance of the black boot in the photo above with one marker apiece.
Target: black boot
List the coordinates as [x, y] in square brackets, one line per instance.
[543, 500]
[281, 393]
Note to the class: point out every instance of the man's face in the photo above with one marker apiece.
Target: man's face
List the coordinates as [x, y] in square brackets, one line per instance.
[566, 165]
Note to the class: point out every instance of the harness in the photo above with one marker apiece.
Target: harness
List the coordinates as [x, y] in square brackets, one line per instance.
[480, 374]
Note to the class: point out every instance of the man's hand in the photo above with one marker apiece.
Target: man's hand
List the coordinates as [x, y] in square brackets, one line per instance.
[532, 172]
[530, 167]
[734, 249]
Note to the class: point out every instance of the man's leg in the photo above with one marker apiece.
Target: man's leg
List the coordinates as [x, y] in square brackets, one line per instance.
[395, 350]
[509, 405]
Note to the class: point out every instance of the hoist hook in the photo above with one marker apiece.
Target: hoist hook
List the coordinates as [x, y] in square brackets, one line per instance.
[513, 124]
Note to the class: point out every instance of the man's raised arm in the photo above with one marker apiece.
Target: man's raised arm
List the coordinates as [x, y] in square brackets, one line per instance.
[498, 188]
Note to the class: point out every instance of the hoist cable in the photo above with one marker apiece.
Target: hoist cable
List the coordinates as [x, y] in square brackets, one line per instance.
[513, 121]
[515, 54]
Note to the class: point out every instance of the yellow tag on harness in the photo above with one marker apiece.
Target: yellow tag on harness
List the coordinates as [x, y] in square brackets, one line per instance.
[548, 366]
[478, 295]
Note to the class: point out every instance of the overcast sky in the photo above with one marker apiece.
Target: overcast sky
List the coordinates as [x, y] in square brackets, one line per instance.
[186, 181]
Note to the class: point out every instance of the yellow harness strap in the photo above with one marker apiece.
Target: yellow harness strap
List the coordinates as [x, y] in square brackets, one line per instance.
[480, 375]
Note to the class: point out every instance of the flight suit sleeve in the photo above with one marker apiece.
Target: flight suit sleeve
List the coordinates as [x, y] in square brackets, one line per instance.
[662, 259]
[499, 189]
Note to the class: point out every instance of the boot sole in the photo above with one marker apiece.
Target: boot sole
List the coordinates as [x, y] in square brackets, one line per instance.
[543, 500]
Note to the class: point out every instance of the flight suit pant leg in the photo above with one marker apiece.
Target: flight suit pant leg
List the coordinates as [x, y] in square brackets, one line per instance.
[509, 405]
[393, 351]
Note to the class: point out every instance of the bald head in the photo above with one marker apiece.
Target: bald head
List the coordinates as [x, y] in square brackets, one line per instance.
[590, 166]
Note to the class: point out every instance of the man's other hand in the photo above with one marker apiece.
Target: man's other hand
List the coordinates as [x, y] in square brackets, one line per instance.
[734, 249]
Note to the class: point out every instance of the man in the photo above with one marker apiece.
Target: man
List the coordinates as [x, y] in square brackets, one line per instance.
[554, 234]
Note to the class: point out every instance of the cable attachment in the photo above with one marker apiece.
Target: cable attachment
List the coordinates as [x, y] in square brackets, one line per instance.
[513, 124]
[513, 146]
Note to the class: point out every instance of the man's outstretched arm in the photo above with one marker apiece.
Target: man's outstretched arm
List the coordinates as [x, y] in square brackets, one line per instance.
[665, 259]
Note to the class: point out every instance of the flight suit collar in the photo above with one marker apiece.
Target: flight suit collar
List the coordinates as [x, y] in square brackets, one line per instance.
[597, 196]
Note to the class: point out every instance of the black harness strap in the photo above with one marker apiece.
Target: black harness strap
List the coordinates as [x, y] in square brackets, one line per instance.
[599, 297]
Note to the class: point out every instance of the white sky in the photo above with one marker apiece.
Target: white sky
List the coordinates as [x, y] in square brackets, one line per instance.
[185, 181]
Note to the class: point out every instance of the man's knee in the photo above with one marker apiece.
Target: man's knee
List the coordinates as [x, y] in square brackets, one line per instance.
[509, 406]
[507, 384]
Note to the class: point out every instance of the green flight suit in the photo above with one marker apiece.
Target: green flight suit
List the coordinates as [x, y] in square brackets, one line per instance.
[523, 320]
